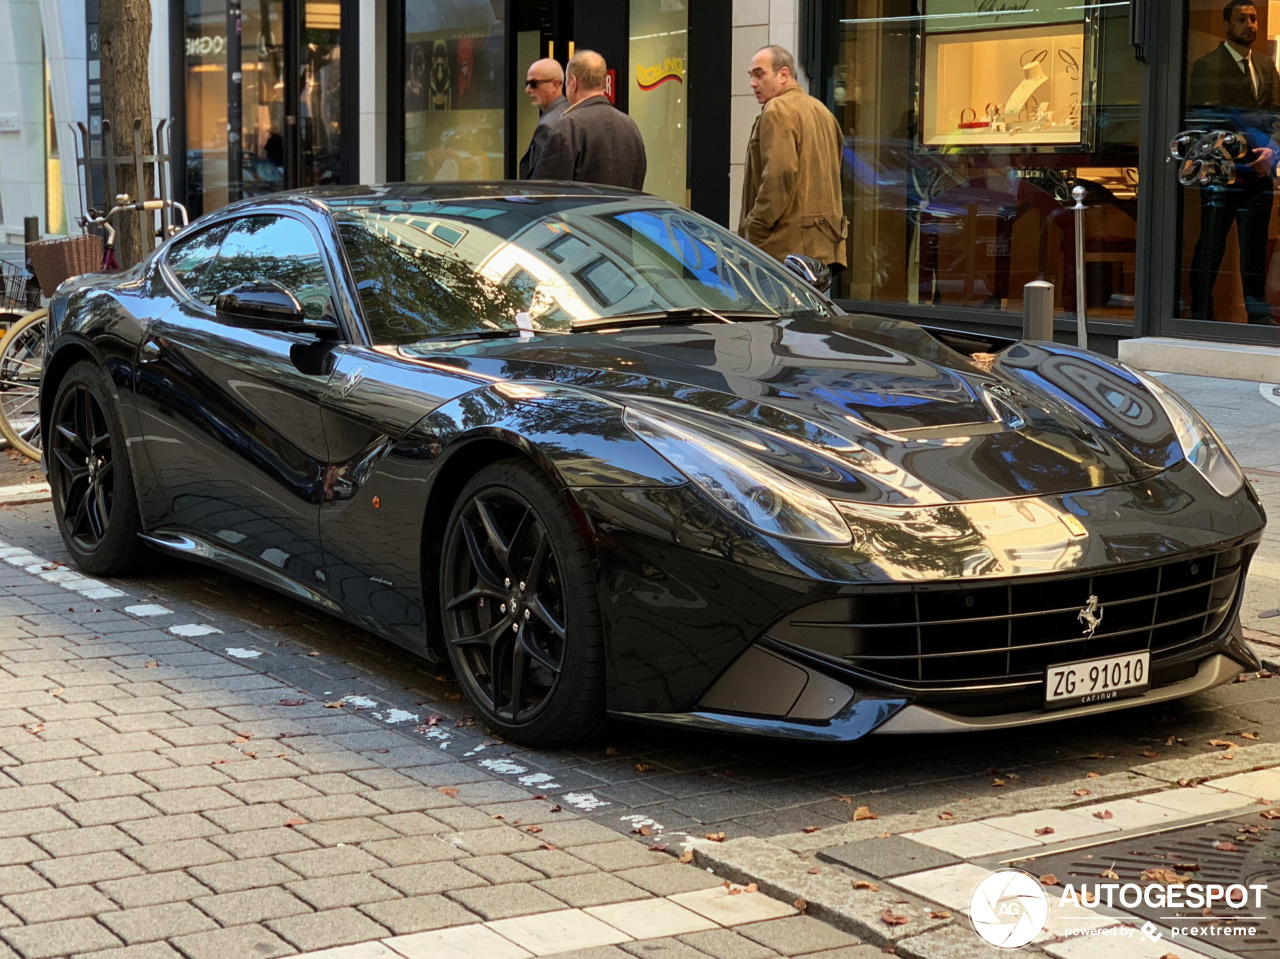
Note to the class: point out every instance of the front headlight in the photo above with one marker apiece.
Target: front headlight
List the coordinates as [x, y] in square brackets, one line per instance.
[758, 495]
[1200, 444]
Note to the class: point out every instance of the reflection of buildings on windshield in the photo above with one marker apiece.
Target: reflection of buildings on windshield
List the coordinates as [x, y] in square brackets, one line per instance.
[564, 260]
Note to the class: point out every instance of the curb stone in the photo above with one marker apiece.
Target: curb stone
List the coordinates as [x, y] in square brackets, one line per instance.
[830, 894]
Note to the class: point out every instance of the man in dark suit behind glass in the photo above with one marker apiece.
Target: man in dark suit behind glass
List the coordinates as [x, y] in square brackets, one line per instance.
[1234, 88]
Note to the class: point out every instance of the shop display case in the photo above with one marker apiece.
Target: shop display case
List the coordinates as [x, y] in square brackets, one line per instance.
[1014, 87]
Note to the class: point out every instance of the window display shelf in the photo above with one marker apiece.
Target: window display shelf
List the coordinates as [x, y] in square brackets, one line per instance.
[1015, 86]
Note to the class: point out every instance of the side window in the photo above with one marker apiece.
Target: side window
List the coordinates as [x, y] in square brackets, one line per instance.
[189, 257]
[271, 248]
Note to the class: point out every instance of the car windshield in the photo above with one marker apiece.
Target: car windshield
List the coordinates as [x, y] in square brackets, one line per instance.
[429, 269]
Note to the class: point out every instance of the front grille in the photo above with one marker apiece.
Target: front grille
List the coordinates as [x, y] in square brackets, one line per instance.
[954, 635]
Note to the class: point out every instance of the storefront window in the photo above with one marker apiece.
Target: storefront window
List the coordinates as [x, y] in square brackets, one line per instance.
[454, 90]
[958, 168]
[1230, 220]
[262, 67]
[659, 96]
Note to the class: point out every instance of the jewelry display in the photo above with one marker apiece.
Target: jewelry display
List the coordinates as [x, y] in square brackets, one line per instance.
[1021, 73]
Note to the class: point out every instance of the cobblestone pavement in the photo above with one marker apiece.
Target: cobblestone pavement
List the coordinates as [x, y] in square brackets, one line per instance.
[161, 733]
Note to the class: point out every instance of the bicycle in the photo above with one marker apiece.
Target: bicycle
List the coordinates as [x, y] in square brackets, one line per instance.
[22, 348]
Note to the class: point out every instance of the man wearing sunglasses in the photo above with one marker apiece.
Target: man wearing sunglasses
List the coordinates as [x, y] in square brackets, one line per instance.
[545, 84]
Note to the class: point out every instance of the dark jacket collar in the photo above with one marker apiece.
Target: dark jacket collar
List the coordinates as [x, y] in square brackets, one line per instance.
[590, 101]
[559, 103]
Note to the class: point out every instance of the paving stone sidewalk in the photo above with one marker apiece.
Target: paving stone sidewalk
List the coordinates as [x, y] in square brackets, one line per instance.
[159, 799]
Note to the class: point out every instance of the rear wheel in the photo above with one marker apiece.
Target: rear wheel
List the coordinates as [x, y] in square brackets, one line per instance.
[521, 615]
[93, 493]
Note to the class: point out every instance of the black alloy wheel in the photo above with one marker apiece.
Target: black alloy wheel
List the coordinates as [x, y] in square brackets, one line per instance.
[521, 619]
[93, 493]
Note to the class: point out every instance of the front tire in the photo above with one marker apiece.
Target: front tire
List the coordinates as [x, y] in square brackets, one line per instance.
[520, 612]
[93, 493]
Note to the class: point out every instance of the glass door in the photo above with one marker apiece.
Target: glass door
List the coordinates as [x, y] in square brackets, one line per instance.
[1226, 278]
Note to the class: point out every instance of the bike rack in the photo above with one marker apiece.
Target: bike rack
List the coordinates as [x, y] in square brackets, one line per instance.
[89, 161]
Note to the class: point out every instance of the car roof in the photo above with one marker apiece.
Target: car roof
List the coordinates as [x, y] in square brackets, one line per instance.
[378, 194]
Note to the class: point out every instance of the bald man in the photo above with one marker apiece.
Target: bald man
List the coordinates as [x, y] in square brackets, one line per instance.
[594, 142]
[545, 84]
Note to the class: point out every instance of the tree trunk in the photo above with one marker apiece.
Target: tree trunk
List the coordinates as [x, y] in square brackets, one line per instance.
[125, 35]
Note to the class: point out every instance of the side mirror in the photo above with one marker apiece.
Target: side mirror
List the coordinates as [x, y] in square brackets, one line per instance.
[813, 271]
[267, 305]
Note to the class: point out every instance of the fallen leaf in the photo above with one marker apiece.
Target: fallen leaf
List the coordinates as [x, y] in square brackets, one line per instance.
[936, 914]
[716, 836]
[450, 791]
[1228, 754]
[643, 768]
[34, 728]
[1109, 874]
[433, 720]
[499, 815]
[997, 782]
[336, 704]
[1227, 846]
[864, 812]
[1166, 877]
[1104, 814]
[218, 762]
[1045, 831]
[612, 751]
[815, 870]
[152, 664]
[686, 856]
[1150, 754]
[1093, 775]
[1049, 879]
[549, 845]
[1096, 756]
[295, 822]
[250, 753]
[1192, 781]
[242, 739]
[644, 830]
[946, 816]
[556, 808]
[1250, 736]
[1223, 742]
[734, 891]
[864, 884]
[533, 829]
[811, 829]
[801, 905]
[751, 887]
[464, 721]
[1081, 792]
[847, 800]
[891, 918]
[658, 848]
[313, 653]
[57, 692]
[1272, 813]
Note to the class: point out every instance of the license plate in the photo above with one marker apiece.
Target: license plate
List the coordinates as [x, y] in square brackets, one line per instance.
[1097, 680]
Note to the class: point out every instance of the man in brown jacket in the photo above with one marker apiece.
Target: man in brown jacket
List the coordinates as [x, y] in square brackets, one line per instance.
[791, 201]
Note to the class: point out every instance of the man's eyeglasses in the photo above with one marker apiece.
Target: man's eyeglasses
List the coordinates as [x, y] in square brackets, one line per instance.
[534, 83]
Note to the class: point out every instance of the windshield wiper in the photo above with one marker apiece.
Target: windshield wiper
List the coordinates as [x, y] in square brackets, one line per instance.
[488, 333]
[679, 314]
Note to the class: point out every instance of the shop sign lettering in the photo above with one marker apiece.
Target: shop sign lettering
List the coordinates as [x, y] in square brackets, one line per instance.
[949, 16]
[650, 78]
[205, 46]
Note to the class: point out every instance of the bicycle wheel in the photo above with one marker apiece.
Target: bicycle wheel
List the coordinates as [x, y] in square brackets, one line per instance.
[21, 361]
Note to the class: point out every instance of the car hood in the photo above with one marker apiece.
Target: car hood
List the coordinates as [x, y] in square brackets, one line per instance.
[869, 408]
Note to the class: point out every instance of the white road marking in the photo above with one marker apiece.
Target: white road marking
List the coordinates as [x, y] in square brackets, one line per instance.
[148, 609]
[194, 629]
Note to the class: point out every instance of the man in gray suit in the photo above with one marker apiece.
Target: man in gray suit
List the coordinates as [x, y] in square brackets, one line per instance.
[594, 141]
[544, 83]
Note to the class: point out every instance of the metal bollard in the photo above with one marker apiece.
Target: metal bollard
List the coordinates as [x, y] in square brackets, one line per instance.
[30, 229]
[1082, 320]
[1037, 311]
